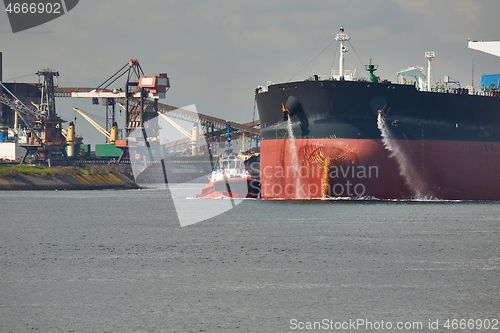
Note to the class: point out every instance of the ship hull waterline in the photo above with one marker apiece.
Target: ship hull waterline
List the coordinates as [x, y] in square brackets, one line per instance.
[365, 168]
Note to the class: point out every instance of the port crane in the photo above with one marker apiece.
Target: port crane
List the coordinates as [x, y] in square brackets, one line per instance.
[140, 98]
[138, 86]
[21, 110]
[45, 141]
[110, 135]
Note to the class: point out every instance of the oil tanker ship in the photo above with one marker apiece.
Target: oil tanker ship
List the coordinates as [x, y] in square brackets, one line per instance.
[337, 136]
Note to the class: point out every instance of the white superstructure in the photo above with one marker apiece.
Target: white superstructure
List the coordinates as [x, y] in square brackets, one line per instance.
[11, 150]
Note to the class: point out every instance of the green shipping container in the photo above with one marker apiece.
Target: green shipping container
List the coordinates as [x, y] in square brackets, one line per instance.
[107, 150]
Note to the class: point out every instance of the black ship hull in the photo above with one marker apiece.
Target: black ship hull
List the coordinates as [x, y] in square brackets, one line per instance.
[349, 109]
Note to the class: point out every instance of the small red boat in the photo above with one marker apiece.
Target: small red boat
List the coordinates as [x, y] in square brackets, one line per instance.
[231, 179]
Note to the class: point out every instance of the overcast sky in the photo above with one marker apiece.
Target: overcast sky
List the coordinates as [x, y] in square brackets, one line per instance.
[217, 52]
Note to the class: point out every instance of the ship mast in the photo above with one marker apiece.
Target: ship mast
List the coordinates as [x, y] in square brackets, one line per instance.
[342, 37]
[429, 56]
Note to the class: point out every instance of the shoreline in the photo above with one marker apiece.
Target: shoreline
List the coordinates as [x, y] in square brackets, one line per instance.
[23, 182]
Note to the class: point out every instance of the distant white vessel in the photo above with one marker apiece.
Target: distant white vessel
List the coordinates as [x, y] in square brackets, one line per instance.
[10, 144]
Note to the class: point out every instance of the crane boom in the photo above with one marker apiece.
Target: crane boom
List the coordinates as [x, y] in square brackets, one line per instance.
[17, 105]
[491, 47]
[171, 122]
[116, 93]
[93, 123]
[177, 126]
[21, 109]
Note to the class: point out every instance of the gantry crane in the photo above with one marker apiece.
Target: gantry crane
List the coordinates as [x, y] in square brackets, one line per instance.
[138, 87]
[140, 99]
[21, 110]
[45, 142]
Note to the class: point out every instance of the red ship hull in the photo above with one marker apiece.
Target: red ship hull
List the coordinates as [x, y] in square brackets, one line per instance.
[414, 169]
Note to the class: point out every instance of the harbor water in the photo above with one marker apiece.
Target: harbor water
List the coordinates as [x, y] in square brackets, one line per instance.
[118, 261]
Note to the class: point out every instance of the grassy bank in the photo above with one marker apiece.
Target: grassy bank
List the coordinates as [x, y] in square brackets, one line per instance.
[31, 177]
[7, 170]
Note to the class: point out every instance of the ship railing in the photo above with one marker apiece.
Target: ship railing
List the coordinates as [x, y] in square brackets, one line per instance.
[402, 80]
[349, 75]
[265, 88]
[324, 77]
[489, 92]
[261, 89]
